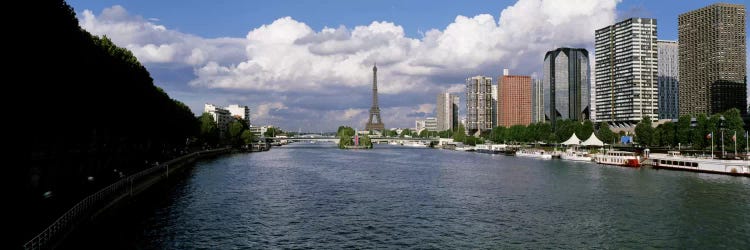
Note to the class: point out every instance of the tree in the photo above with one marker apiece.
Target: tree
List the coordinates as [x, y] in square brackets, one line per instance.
[272, 132]
[460, 134]
[391, 133]
[665, 134]
[405, 132]
[345, 135]
[733, 123]
[235, 131]
[544, 132]
[683, 131]
[247, 137]
[446, 133]
[699, 132]
[209, 131]
[585, 129]
[497, 134]
[605, 134]
[644, 132]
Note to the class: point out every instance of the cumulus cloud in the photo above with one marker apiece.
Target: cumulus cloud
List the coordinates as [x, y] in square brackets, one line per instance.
[287, 57]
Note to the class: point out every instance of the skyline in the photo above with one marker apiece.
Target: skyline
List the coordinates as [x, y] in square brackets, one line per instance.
[294, 72]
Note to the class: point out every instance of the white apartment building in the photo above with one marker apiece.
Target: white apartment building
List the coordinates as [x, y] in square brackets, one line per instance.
[626, 71]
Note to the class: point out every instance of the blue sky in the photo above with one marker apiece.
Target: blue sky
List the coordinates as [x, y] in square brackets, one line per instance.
[201, 51]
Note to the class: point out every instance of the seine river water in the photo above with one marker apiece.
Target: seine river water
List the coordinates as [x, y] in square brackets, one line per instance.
[316, 196]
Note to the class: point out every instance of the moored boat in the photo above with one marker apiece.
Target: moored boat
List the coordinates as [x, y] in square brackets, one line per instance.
[572, 155]
[486, 148]
[619, 158]
[673, 160]
[534, 154]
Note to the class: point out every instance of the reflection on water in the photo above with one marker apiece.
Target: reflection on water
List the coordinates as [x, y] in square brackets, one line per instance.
[316, 196]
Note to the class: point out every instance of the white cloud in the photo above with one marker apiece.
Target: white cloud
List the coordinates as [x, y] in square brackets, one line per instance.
[288, 56]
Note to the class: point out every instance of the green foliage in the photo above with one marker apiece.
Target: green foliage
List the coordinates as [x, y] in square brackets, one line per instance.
[605, 134]
[247, 137]
[644, 132]
[272, 132]
[209, 131]
[446, 133]
[405, 132]
[460, 134]
[236, 128]
[125, 122]
[584, 130]
[391, 133]
[683, 130]
[471, 140]
[699, 132]
[665, 134]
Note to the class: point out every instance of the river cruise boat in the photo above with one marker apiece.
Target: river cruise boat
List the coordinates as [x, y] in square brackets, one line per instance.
[534, 154]
[572, 155]
[483, 148]
[673, 160]
[416, 144]
[619, 158]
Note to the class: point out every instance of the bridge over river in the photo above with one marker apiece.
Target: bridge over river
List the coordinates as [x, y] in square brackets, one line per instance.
[321, 138]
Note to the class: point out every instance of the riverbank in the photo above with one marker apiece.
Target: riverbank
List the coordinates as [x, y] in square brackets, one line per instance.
[112, 196]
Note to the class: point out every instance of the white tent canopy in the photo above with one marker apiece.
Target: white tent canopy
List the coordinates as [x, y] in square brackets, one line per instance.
[573, 140]
[592, 141]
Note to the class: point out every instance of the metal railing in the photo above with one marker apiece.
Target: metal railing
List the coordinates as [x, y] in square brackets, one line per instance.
[84, 207]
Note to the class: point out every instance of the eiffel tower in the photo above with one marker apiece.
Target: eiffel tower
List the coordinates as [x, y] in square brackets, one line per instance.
[375, 110]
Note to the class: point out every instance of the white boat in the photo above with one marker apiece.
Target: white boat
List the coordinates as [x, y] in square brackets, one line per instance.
[416, 144]
[619, 158]
[485, 148]
[534, 154]
[673, 160]
[572, 155]
[464, 147]
[393, 143]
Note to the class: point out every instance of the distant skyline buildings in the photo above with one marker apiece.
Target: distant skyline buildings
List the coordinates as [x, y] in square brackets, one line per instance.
[566, 84]
[712, 59]
[479, 106]
[537, 101]
[222, 117]
[447, 111]
[241, 112]
[626, 71]
[514, 100]
[669, 77]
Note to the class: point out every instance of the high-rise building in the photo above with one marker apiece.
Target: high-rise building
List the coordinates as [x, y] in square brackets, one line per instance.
[712, 56]
[537, 101]
[429, 124]
[514, 100]
[626, 71]
[447, 111]
[479, 104]
[669, 76]
[494, 104]
[242, 112]
[221, 116]
[566, 85]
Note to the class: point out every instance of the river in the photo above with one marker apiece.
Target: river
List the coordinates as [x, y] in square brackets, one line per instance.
[316, 196]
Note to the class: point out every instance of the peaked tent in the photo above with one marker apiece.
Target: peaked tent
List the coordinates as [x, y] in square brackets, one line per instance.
[593, 141]
[573, 140]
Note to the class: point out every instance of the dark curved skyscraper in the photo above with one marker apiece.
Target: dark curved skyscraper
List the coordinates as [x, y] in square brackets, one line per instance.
[566, 84]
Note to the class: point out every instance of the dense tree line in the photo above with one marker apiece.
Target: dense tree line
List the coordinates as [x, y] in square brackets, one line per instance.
[346, 137]
[95, 115]
[695, 136]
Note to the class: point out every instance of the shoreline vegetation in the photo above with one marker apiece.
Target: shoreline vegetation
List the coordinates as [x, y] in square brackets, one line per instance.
[349, 140]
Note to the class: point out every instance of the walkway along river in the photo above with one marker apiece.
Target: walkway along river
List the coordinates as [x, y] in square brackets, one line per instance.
[315, 196]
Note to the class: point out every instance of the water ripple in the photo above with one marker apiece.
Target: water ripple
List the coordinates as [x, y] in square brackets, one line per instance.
[394, 197]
